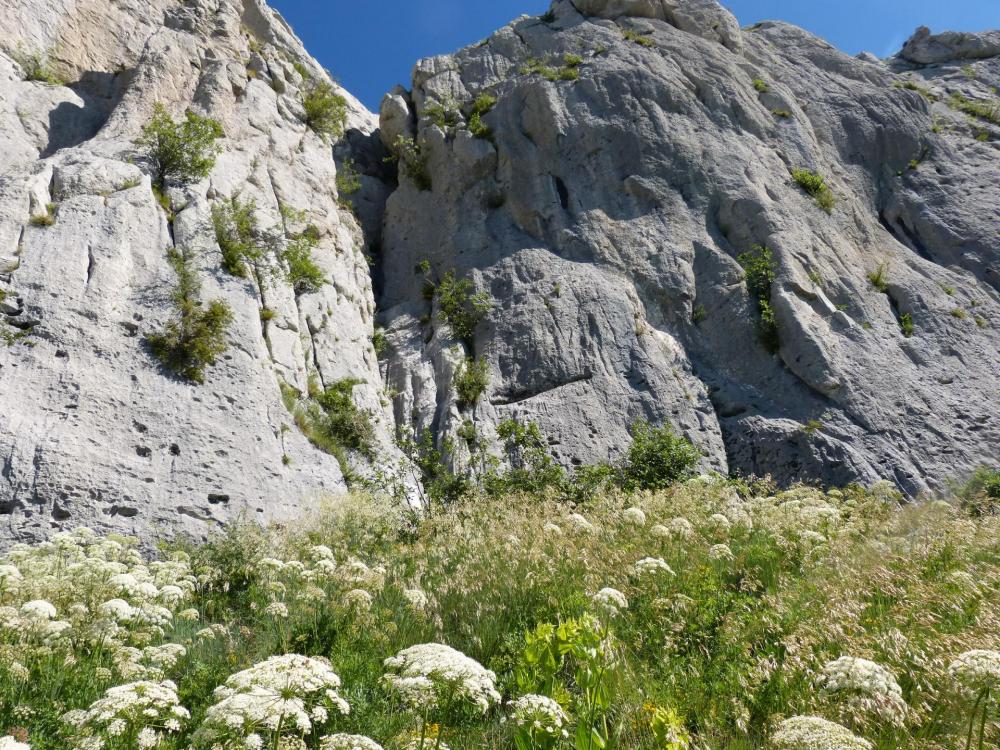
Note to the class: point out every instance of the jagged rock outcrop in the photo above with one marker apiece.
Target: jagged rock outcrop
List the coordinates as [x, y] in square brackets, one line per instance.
[635, 150]
[92, 429]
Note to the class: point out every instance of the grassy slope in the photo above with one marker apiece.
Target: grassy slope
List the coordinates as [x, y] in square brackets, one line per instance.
[730, 645]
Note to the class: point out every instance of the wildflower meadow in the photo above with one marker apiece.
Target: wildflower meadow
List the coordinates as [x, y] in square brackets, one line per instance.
[711, 615]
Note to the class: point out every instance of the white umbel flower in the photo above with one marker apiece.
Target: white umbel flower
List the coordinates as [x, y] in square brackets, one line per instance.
[39, 609]
[447, 670]
[872, 688]
[634, 516]
[539, 715]
[977, 670]
[721, 552]
[9, 743]
[652, 566]
[348, 742]
[611, 601]
[814, 733]
[292, 692]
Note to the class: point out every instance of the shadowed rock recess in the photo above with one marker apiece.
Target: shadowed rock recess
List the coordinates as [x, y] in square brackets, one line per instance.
[605, 173]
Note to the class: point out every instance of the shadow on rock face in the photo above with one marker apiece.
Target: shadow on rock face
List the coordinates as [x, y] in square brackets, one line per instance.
[71, 124]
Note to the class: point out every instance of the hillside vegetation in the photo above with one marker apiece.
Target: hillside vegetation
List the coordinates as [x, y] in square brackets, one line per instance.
[707, 615]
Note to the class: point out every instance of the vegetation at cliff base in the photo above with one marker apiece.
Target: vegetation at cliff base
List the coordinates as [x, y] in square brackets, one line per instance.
[709, 614]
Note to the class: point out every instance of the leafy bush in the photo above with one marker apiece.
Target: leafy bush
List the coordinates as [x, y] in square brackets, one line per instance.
[568, 71]
[301, 270]
[483, 104]
[235, 223]
[412, 161]
[815, 185]
[906, 324]
[462, 309]
[325, 109]
[195, 336]
[760, 276]
[980, 496]
[348, 179]
[657, 458]
[181, 152]
[332, 422]
[471, 379]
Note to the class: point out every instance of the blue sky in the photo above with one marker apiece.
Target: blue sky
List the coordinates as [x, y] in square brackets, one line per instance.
[370, 45]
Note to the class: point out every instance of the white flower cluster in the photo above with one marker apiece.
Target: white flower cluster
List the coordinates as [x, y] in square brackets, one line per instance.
[539, 714]
[680, 528]
[82, 590]
[285, 694]
[351, 584]
[814, 733]
[580, 523]
[610, 601]
[426, 673]
[652, 566]
[348, 742]
[871, 688]
[799, 510]
[143, 711]
[9, 743]
[721, 552]
[634, 516]
[976, 671]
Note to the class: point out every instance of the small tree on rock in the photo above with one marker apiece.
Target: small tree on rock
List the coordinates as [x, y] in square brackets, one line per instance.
[180, 152]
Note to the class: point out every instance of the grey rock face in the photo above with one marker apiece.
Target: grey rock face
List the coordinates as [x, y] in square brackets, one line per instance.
[92, 430]
[607, 208]
[925, 48]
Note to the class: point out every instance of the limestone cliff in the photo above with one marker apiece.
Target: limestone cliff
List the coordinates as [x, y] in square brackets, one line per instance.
[634, 152]
[92, 429]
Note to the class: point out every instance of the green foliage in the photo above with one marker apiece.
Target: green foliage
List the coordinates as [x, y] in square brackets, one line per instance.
[812, 428]
[980, 496]
[784, 114]
[913, 86]
[37, 66]
[631, 35]
[379, 342]
[301, 269]
[235, 223]
[568, 71]
[331, 421]
[325, 109]
[483, 104]
[761, 273]
[761, 85]
[959, 313]
[574, 663]
[530, 466]
[815, 185]
[195, 336]
[906, 324]
[412, 161]
[302, 70]
[879, 278]
[984, 110]
[698, 314]
[657, 458]
[462, 309]
[348, 179]
[445, 115]
[471, 379]
[44, 220]
[180, 152]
